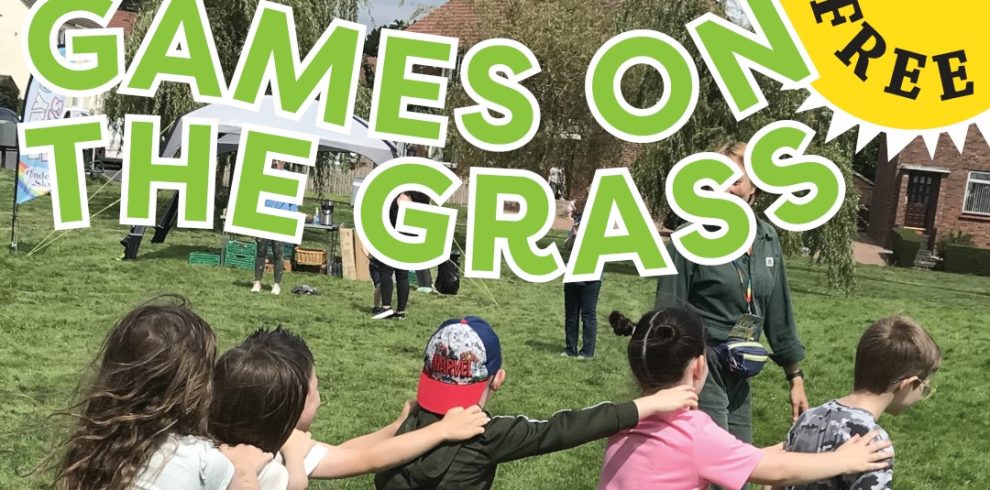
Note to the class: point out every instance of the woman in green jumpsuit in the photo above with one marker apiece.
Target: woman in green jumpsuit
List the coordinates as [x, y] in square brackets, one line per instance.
[755, 283]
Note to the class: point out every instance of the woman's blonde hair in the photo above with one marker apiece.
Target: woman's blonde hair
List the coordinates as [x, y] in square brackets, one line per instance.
[734, 150]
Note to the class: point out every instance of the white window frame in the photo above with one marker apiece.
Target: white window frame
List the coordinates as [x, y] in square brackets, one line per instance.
[969, 179]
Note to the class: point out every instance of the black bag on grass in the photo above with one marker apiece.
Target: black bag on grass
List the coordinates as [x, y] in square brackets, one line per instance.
[449, 275]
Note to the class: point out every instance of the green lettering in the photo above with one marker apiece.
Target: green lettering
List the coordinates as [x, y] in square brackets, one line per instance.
[63, 140]
[616, 226]
[178, 47]
[271, 55]
[773, 50]
[491, 233]
[722, 225]
[144, 173]
[72, 78]
[390, 116]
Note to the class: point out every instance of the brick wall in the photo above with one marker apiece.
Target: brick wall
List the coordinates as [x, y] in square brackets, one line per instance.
[883, 207]
[949, 215]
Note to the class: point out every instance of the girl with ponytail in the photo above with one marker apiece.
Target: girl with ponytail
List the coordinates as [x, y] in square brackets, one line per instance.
[686, 450]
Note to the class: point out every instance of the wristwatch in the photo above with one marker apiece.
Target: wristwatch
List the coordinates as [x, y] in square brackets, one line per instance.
[796, 374]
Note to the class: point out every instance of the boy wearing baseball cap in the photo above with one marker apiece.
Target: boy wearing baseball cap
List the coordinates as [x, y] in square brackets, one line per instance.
[462, 367]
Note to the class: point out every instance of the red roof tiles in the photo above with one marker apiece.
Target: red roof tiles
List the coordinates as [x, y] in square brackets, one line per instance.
[455, 18]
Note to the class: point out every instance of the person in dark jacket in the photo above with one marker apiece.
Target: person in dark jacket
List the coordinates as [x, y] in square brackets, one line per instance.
[742, 300]
[580, 298]
[463, 367]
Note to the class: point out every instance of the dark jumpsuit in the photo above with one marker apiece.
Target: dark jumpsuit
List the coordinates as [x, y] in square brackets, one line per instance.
[718, 295]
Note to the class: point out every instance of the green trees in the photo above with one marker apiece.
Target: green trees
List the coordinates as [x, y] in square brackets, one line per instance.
[10, 96]
[564, 35]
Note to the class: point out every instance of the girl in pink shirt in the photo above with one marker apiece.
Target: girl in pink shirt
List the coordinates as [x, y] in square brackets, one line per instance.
[687, 450]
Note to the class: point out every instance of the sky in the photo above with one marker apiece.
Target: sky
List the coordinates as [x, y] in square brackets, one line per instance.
[383, 12]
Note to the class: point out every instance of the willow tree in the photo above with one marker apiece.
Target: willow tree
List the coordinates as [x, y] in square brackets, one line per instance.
[712, 125]
[563, 35]
[229, 20]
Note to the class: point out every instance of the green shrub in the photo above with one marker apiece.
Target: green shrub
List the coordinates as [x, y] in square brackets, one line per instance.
[963, 259]
[905, 244]
[956, 237]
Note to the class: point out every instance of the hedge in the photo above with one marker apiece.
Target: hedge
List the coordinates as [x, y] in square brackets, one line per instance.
[905, 244]
[963, 259]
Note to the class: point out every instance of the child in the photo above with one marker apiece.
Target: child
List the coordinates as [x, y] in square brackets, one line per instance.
[462, 367]
[687, 450]
[267, 395]
[142, 424]
[895, 361]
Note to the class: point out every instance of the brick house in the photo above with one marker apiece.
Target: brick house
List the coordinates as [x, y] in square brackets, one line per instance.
[935, 196]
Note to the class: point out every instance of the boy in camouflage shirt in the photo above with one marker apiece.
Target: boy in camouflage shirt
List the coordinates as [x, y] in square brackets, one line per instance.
[894, 361]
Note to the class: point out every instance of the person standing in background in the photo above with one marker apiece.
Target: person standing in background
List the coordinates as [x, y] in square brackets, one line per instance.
[424, 279]
[556, 182]
[580, 298]
[278, 248]
[387, 273]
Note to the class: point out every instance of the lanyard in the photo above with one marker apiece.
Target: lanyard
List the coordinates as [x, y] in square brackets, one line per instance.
[747, 285]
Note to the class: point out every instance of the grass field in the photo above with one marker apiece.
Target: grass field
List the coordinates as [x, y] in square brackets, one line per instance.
[58, 304]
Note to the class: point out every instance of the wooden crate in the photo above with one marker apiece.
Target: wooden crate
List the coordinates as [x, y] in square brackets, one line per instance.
[270, 266]
[347, 253]
[361, 260]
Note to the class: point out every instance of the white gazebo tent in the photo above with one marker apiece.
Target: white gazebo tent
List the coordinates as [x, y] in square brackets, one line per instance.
[233, 119]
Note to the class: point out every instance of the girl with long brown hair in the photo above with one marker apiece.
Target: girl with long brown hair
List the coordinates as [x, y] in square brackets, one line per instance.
[142, 423]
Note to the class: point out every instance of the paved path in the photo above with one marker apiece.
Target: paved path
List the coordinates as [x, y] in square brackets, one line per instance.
[867, 251]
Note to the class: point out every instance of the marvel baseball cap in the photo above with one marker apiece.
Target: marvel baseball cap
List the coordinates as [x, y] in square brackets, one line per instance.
[460, 357]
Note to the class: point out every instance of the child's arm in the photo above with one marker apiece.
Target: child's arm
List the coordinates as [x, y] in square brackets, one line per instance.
[379, 435]
[247, 461]
[859, 454]
[511, 438]
[341, 462]
[294, 451]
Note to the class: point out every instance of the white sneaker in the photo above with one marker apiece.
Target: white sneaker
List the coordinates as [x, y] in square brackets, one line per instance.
[276, 289]
[386, 313]
[257, 287]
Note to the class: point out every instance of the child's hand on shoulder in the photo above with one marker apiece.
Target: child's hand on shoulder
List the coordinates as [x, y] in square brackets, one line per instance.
[670, 400]
[864, 453]
[246, 457]
[460, 424]
[298, 445]
[405, 411]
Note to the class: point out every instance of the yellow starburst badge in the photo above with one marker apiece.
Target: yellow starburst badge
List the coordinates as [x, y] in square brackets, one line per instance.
[908, 68]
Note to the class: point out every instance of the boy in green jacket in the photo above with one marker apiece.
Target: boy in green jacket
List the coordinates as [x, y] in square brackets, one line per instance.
[462, 367]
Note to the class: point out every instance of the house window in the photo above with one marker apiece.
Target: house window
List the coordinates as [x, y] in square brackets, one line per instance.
[977, 198]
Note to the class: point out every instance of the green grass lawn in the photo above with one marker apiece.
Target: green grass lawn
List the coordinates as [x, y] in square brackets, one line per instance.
[58, 304]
